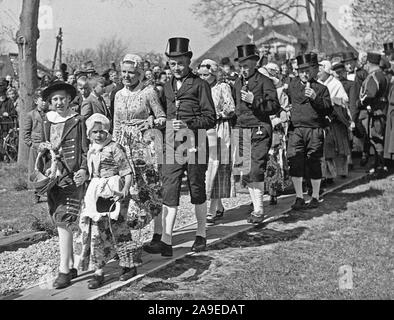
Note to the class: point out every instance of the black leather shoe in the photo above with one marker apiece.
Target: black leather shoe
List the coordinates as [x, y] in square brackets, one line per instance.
[63, 280]
[159, 247]
[74, 273]
[212, 219]
[156, 238]
[364, 161]
[128, 273]
[200, 244]
[313, 204]
[299, 204]
[256, 219]
[96, 282]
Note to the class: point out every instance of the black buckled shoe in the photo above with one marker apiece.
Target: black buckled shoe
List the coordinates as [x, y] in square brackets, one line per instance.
[62, 281]
[299, 204]
[200, 244]
[159, 247]
[96, 282]
[128, 273]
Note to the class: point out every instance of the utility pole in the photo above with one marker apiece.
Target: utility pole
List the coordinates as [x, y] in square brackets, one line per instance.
[59, 40]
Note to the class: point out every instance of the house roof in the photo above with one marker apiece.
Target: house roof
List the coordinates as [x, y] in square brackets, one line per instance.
[226, 47]
[332, 40]
[10, 66]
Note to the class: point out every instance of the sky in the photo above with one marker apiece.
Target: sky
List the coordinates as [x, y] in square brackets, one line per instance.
[144, 26]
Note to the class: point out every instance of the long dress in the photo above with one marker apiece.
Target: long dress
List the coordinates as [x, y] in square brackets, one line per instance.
[337, 142]
[276, 175]
[134, 110]
[95, 245]
[219, 181]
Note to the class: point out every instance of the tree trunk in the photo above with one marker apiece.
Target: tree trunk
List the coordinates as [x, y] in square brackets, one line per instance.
[311, 38]
[27, 37]
[318, 24]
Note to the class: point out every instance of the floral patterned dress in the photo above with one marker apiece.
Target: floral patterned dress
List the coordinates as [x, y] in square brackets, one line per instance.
[95, 245]
[135, 112]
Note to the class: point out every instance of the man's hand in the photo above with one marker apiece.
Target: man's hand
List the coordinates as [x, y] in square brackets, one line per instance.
[178, 125]
[247, 96]
[310, 93]
[352, 126]
[80, 177]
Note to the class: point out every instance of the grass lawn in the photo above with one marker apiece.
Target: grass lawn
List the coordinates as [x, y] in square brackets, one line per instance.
[17, 207]
[301, 257]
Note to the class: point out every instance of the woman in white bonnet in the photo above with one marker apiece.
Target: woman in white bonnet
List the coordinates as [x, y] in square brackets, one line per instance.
[219, 184]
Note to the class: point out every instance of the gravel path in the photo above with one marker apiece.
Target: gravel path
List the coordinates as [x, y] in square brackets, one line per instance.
[33, 265]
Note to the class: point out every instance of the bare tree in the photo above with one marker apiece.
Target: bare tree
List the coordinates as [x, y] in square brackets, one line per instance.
[110, 50]
[154, 58]
[373, 22]
[74, 59]
[220, 15]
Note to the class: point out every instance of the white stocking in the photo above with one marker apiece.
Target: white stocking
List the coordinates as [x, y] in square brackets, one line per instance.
[201, 216]
[169, 215]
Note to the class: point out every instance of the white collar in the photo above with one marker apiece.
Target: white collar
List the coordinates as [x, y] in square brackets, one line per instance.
[54, 117]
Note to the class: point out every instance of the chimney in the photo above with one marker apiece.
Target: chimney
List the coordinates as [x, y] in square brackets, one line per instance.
[324, 18]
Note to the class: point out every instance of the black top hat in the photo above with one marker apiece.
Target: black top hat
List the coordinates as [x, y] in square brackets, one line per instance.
[57, 86]
[388, 47]
[348, 56]
[178, 47]
[374, 57]
[338, 66]
[247, 51]
[307, 60]
[225, 61]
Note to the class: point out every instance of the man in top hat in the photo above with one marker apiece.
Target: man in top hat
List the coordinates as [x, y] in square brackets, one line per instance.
[311, 103]
[188, 103]
[255, 99]
[373, 106]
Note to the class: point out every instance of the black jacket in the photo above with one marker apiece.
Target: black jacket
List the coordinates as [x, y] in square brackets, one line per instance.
[265, 101]
[196, 109]
[306, 112]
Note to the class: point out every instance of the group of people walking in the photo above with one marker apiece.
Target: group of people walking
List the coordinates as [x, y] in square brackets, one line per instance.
[106, 163]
